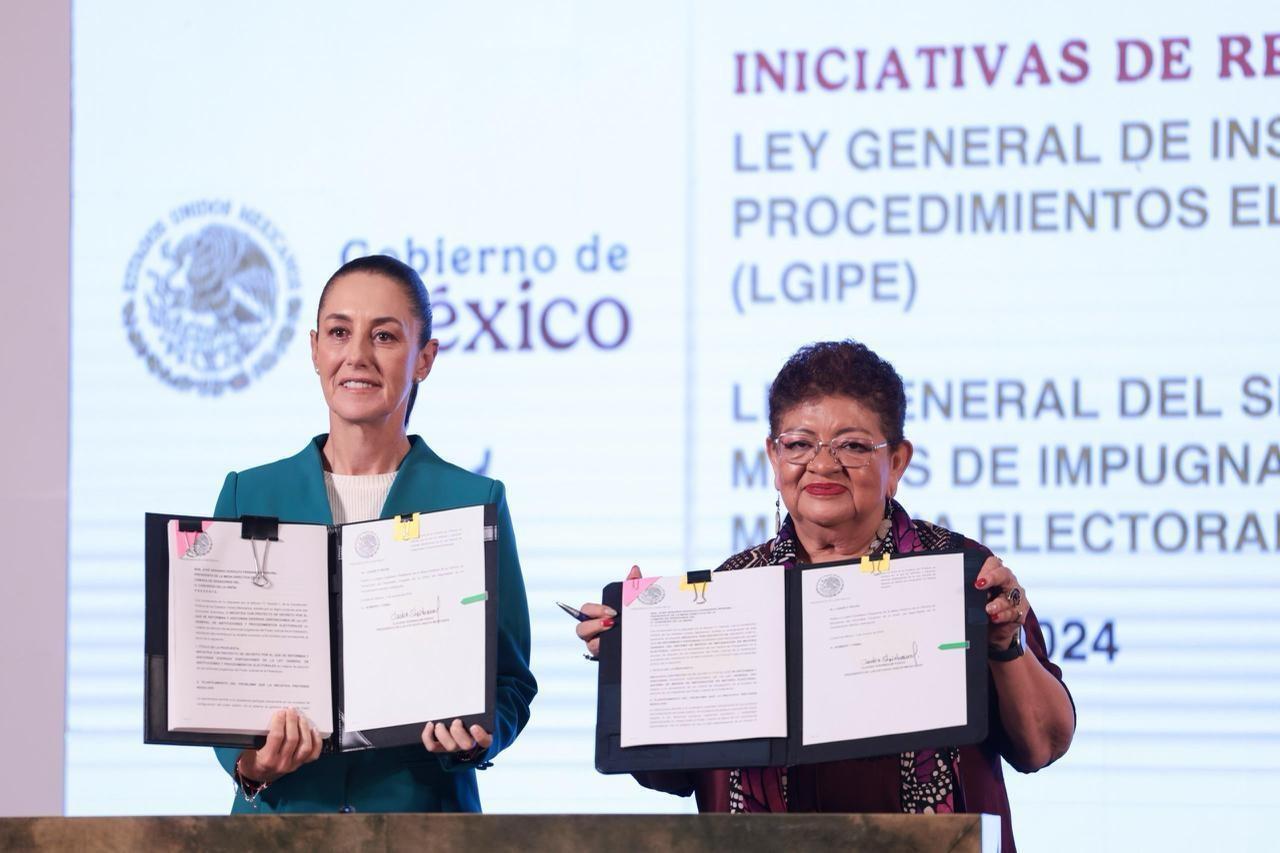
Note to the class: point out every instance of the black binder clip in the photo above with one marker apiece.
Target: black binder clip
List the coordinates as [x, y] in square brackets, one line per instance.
[260, 527]
[697, 582]
[190, 525]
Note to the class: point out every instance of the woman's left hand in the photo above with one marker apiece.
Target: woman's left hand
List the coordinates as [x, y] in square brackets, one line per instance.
[1008, 609]
[443, 739]
[1035, 711]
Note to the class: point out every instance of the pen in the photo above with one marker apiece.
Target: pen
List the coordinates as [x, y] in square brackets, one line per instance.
[574, 612]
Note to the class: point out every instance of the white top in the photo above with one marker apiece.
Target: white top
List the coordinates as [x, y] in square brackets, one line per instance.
[357, 497]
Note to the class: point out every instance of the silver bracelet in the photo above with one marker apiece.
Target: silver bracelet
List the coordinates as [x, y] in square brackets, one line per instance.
[244, 784]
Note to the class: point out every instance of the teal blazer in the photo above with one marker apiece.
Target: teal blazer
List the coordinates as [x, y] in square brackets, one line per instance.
[405, 779]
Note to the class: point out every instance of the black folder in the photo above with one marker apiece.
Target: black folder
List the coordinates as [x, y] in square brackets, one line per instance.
[611, 757]
[156, 711]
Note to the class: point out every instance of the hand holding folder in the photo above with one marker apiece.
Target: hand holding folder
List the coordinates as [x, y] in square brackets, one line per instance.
[600, 618]
[292, 741]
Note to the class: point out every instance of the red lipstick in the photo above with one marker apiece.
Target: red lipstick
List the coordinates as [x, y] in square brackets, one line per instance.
[824, 489]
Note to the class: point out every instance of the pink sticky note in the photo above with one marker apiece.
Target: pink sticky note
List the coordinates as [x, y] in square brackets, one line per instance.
[632, 588]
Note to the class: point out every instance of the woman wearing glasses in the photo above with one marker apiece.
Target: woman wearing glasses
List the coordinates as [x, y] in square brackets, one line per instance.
[836, 444]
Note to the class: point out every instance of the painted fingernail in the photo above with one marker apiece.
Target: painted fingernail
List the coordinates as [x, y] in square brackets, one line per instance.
[609, 611]
[608, 623]
[982, 582]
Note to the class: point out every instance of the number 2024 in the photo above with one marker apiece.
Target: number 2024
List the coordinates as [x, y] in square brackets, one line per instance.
[1074, 637]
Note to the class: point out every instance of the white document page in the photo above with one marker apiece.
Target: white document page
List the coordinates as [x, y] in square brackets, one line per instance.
[706, 661]
[883, 652]
[238, 650]
[413, 620]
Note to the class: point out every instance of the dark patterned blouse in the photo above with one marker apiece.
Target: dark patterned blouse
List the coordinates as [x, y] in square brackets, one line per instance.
[953, 779]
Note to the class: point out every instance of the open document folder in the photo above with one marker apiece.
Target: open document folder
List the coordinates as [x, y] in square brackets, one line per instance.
[770, 667]
[371, 629]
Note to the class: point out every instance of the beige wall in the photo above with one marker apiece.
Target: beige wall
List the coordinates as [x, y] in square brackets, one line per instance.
[35, 218]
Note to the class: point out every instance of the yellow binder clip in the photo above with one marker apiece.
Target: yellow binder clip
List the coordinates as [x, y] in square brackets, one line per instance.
[406, 528]
[874, 567]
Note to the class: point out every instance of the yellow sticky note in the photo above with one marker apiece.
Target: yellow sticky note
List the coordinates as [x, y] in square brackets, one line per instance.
[875, 567]
[406, 528]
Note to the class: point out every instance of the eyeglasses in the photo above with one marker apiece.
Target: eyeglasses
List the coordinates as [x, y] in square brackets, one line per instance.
[801, 449]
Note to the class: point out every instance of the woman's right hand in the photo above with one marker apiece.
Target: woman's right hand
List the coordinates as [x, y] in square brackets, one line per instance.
[602, 620]
[292, 741]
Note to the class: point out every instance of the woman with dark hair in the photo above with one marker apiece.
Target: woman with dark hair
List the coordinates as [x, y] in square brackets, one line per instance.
[371, 348]
[836, 445]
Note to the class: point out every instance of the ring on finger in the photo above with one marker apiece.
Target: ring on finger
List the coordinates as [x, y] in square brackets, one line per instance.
[1014, 596]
